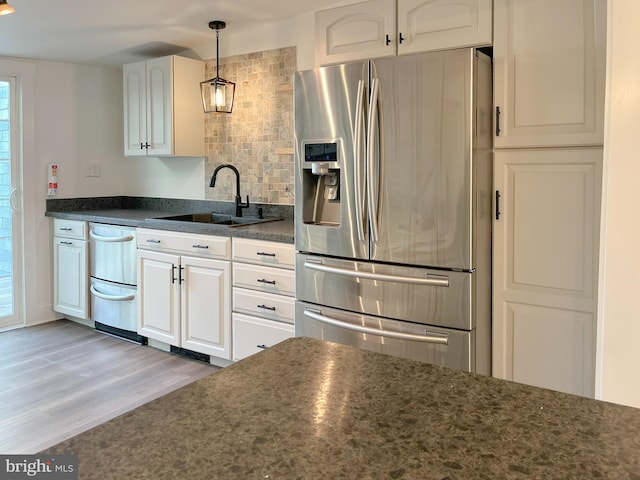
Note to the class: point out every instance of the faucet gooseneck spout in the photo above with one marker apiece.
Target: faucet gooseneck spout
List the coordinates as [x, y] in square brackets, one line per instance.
[239, 204]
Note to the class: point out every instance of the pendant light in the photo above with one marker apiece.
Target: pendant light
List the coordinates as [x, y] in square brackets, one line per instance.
[5, 8]
[217, 93]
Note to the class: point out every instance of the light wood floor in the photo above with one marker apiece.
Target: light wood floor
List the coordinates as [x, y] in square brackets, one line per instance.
[62, 378]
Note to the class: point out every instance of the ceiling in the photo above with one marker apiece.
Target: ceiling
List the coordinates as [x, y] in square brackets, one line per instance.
[115, 32]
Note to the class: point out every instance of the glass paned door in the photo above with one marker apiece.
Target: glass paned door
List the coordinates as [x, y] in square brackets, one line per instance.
[9, 244]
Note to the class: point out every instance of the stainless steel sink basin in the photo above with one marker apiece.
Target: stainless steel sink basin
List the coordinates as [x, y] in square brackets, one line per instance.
[218, 219]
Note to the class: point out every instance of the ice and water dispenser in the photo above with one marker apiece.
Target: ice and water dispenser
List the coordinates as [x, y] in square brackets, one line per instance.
[321, 183]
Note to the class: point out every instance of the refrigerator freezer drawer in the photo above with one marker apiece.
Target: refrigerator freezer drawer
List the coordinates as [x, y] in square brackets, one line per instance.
[438, 346]
[431, 297]
[114, 304]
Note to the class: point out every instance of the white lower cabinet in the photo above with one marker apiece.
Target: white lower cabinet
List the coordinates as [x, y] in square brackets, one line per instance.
[545, 264]
[184, 283]
[71, 268]
[263, 295]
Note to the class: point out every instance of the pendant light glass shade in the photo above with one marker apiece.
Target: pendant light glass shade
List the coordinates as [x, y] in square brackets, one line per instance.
[5, 8]
[217, 93]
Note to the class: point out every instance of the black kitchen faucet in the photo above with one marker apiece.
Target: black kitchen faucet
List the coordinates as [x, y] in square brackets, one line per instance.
[239, 204]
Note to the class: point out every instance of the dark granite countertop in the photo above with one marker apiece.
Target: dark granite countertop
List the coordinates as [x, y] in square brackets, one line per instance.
[148, 213]
[318, 410]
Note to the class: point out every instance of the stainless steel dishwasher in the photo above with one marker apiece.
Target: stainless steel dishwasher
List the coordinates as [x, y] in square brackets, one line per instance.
[112, 260]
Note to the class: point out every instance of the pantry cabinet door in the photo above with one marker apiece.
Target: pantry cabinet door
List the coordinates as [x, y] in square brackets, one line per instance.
[426, 25]
[159, 296]
[206, 306]
[356, 32]
[545, 254]
[549, 71]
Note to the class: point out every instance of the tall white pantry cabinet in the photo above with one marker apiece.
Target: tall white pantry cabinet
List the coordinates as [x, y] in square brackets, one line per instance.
[549, 68]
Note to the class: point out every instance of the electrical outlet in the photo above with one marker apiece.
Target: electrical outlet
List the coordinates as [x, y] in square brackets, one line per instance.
[92, 170]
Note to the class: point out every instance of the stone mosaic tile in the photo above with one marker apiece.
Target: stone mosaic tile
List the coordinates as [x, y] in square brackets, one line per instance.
[261, 123]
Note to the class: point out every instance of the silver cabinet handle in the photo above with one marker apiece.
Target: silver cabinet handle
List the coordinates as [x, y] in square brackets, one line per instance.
[430, 337]
[102, 238]
[432, 280]
[115, 298]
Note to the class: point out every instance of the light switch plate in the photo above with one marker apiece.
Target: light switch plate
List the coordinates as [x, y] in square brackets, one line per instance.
[92, 170]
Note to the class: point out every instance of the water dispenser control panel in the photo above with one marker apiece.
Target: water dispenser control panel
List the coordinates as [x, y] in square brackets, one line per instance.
[320, 157]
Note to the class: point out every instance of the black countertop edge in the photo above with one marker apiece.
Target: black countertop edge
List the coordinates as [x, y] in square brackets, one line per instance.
[113, 211]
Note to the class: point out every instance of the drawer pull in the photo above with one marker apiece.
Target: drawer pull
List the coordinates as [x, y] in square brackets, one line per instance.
[151, 240]
[263, 347]
[273, 309]
[266, 254]
[264, 280]
[66, 243]
[66, 229]
[200, 246]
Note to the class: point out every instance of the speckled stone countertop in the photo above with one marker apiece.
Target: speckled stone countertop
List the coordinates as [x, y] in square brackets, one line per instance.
[148, 213]
[318, 410]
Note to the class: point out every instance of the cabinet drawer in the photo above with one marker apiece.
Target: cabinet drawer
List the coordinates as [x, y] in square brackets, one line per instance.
[265, 305]
[207, 246]
[265, 279]
[70, 228]
[252, 335]
[274, 254]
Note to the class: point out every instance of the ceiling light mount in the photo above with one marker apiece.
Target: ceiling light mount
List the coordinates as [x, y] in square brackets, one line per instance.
[217, 93]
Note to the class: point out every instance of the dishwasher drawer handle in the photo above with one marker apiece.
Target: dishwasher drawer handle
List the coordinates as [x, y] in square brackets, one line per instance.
[431, 280]
[115, 298]
[264, 280]
[102, 238]
[429, 337]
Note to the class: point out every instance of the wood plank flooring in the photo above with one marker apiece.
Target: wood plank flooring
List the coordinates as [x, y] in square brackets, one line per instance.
[62, 378]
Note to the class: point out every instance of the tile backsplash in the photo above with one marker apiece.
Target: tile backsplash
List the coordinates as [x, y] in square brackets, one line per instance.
[257, 137]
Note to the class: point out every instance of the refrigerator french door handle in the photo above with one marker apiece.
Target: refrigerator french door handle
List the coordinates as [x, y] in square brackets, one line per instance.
[433, 280]
[372, 190]
[429, 337]
[358, 160]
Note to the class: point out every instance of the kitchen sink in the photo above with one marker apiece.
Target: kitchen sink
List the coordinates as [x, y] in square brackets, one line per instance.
[218, 219]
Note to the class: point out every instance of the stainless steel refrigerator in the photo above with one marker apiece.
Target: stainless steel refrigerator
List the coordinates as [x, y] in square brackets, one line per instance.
[393, 206]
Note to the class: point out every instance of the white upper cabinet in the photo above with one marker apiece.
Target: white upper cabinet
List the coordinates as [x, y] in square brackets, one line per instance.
[372, 30]
[549, 70]
[425, 25]
[162, 107]
[354, 32]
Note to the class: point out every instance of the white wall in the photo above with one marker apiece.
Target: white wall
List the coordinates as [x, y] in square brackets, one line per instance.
[72, 116]
[618, 349]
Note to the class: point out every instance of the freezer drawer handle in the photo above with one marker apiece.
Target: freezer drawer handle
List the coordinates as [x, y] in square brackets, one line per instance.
[431, 280]
[101, 238]
[115, 298]
[429, 337]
